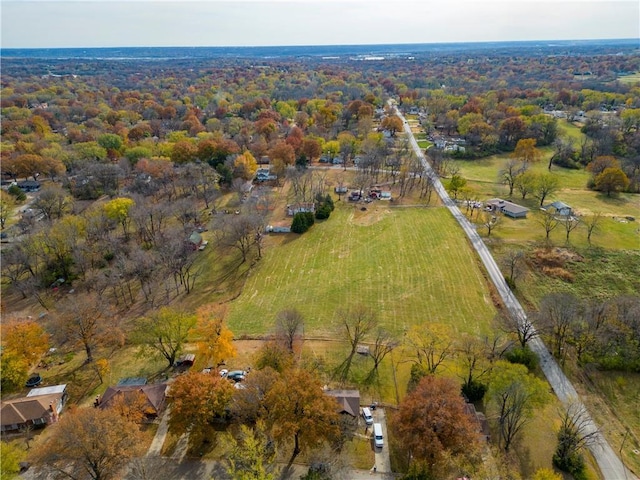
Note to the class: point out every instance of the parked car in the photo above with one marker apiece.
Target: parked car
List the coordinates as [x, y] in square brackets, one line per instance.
[34, 380]
[237, 375]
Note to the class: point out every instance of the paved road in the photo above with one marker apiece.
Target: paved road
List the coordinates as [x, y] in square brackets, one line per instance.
[610, 465]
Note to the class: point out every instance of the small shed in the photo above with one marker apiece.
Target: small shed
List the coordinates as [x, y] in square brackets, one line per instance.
[560, 208]
[186, 360]
[195, 240]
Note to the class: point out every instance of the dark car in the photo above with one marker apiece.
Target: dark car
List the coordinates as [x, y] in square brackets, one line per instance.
[34, 380]
[236, 375]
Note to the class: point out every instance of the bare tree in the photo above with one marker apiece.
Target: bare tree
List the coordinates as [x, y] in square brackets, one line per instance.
[557, 312]
[289, 327]
[524, 331]
[576, 432]
[490, 221]
[593, 224]
[383, 345]
[570, 223]
[432, 345]
[53, 202]
[513, 261]
[356, 324]
[510, 172]
[86, 320]
[549, 222]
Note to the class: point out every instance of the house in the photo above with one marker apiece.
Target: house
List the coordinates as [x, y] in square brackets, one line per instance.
[559, 208]
[29, 186]
[348, 401]
[300, 207]
[507, 208]
[154, 397]
[41, 407]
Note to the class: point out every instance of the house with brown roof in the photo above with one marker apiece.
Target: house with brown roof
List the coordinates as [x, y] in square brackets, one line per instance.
[41, 407]
[154, 396]
[348, 401]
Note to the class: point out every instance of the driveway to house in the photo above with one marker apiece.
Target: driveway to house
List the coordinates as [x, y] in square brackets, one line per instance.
[610, 465]
[383, 461]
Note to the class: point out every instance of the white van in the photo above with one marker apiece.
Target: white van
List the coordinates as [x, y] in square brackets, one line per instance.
[378, 439]
[366, 414]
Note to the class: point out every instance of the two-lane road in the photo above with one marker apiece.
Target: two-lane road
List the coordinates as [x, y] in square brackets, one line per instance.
[610, 465]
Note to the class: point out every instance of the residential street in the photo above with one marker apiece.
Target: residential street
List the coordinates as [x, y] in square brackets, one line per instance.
[610, 465]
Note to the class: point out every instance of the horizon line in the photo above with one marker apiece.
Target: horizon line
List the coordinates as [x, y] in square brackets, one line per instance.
[625, 39]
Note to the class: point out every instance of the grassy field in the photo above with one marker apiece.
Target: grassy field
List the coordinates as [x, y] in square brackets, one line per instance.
[631, 79]
[411, 265]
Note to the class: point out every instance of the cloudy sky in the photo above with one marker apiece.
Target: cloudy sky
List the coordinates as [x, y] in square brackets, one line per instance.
[101, 23]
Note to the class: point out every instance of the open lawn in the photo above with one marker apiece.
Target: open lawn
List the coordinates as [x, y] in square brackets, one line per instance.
[630, 79]
[410, 265]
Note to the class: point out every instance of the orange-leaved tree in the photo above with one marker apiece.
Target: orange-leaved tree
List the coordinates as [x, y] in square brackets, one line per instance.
[432, 425]
[196, 399]
[297, 409]
[89, 443]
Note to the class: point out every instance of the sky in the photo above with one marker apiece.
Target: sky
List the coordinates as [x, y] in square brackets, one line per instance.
[108, 23]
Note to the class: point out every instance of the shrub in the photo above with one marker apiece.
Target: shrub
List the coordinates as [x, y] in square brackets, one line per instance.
[323, 212]
[523, 356]
[17, 193]
[474, 391]
[302, 221]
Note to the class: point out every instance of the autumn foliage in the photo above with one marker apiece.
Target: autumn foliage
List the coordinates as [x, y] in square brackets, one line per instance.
[432, 424]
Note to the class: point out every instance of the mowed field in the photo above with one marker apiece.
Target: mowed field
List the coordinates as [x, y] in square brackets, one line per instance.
[409, 265]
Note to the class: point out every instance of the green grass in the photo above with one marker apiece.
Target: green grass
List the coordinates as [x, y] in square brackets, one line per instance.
[632, 79]
[410, 265]
[570, 131]
[424, 144]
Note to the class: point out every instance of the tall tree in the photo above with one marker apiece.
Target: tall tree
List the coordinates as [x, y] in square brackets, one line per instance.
[526, 151]
[511, 171]
[383, 345]
[356, 325]
[576, 432]
[53, 202]
[196, 399]
[549, 222]
[89, 443]
[298, 411]
[289, 328]
[431, 425]
[214, 339]
[88, 321]
[592, 223]
[611, 180]
[432, 344]
[547, 184]
[515, 394]
[165, 332]
[252, 455]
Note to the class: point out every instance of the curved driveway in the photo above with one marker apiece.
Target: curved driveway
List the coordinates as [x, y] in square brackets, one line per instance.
[610, 465]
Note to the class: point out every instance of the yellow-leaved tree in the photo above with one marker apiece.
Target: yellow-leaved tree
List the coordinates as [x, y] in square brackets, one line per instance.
[214, 339]
[245, 166]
